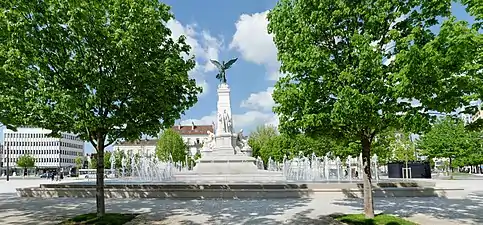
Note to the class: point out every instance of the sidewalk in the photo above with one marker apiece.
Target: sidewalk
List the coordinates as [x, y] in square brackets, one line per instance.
[460, 209]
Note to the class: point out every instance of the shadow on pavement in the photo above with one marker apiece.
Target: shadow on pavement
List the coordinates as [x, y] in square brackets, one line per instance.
[36, 211]
[462, 210]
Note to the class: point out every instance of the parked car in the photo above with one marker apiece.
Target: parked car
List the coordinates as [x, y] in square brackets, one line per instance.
[44, 175]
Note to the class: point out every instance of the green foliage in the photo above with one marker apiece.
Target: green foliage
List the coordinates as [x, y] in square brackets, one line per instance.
[93, 163]
[192, 160]
[381, 219]
[353, 67]
[103, 70]
[277, 147]
[172, 143]
[79, 161]
[119, 155]
[448, 138]
[340, 82]
[107, 160]
[402, 148]
[87, 77]
[260, 137]
[26, 161]
[293, 145]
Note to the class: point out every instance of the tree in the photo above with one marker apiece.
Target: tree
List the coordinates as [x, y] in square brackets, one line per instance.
[79, 161]
[93, 164]
[171, 143]
[12, 83]
[448, 138]
[107, 160]
[277, 147]
[353, 68]
[260, 137]
[106, 70]
[403, 148]
[118, 154]
[26, 161]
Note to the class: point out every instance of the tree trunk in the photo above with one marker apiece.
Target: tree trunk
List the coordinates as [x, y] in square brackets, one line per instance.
[101, 207]
[367, 179]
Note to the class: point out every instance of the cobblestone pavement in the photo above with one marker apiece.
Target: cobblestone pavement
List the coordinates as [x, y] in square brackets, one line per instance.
[462, 207]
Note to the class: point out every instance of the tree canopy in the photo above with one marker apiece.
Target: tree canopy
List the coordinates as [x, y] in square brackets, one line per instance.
[171, 143]
[353, 68]
[26, 161]
[105, 70]
[79, 161]
[448, 138]
[260, 137]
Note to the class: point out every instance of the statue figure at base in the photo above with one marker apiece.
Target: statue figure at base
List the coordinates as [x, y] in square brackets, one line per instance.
[209, 144]
[241, 144]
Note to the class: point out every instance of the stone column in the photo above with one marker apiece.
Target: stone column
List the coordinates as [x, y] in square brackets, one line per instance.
[224, 139]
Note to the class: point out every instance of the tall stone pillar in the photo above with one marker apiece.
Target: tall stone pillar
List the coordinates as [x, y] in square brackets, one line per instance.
[224, 123]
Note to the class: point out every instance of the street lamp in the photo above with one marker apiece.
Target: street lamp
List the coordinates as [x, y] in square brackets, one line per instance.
[8, 161]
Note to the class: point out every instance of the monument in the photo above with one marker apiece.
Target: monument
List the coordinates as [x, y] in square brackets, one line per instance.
[226, 154]
[223, 158]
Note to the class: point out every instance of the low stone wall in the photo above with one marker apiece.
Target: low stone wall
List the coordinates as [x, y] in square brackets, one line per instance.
[233, 191]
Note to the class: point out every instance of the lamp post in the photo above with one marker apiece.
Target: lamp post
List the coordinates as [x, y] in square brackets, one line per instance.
[8, 161]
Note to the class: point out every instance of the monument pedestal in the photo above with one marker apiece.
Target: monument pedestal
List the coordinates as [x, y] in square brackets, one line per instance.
[229, 164]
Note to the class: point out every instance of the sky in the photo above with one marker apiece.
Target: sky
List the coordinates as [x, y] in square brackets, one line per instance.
[222, 30]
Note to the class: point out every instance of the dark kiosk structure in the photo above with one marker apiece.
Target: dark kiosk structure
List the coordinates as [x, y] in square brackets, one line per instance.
[415, 169]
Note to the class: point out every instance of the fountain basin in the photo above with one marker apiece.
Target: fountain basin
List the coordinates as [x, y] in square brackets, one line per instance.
[193, 190]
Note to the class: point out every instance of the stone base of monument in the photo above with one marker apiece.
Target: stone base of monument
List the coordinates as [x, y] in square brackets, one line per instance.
[225, 164]
[228, 169]
[121, 189]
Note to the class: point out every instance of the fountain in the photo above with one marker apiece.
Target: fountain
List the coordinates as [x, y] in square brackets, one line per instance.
[226, 169]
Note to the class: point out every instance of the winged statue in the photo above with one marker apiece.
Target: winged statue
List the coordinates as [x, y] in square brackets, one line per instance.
[222, 67]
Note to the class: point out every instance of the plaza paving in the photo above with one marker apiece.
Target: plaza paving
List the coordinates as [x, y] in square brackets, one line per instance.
[463, 207]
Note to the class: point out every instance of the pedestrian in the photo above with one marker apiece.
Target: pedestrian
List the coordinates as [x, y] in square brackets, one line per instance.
[61, 176]
[53, 175]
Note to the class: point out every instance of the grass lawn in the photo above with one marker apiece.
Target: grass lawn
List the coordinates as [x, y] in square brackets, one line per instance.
[108, 219]
[381, 219]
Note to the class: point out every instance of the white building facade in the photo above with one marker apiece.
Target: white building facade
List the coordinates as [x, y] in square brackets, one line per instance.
[49, 152]
[194, 136]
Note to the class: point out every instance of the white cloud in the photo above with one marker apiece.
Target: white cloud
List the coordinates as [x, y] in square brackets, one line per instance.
[260, 101]
[247, 121]
[254, 43]
[203, 46]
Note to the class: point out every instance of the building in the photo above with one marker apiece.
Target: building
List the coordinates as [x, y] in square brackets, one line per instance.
[142, 147]
[49, 152]
[193, 135]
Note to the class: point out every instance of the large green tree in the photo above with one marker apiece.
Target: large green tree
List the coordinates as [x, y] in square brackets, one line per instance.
[353, 68]
[12, 80]
[448, 138]
[171, 143]
[105, 70]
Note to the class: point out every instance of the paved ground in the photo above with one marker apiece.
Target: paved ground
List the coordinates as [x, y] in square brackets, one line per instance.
[459, 208]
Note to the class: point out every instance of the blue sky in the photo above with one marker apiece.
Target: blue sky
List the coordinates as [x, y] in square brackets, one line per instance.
[220, 29]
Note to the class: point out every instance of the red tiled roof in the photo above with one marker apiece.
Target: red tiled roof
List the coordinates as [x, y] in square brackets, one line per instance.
[193, 129]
